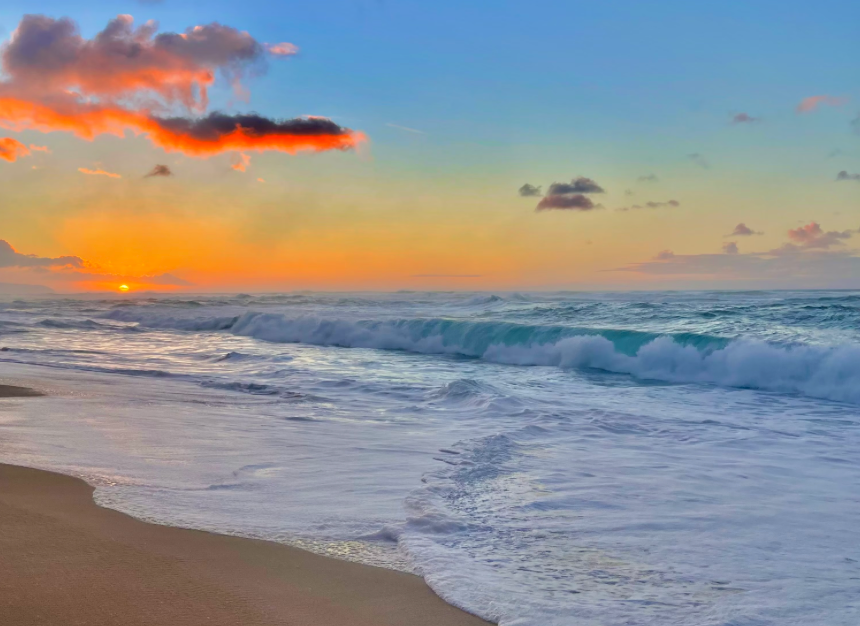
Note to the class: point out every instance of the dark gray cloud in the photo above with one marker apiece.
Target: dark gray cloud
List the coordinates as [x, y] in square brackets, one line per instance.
[574, 202]
[159, 170]
[843, 175]
[651, 205]
[730, 247]
[744, 118]
[527, 191]
[742, 230]
[648, 178]
[10, 258]
[699, 160]
[213, 127]
[580, 184]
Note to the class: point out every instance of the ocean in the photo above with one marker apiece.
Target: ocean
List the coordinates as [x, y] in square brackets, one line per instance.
[549, 459]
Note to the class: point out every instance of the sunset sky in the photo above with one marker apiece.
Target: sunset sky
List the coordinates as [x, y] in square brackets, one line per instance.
[391, 144]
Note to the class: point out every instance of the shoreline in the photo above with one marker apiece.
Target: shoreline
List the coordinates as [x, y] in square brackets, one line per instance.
[66, 560]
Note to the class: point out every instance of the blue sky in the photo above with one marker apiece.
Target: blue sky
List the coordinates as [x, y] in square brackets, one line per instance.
[510, 92]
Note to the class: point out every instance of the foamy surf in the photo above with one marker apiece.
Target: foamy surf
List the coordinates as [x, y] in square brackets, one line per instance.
[541, 459]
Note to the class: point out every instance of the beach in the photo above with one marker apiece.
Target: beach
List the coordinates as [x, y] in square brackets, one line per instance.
[536, 459]
[65, 560]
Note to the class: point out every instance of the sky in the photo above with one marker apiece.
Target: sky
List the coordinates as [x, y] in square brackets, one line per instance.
[389, 144]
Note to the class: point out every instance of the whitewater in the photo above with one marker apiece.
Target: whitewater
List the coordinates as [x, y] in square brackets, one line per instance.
[550, 459]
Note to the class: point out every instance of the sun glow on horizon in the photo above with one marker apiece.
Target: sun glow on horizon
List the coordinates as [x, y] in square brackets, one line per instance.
[123, 287]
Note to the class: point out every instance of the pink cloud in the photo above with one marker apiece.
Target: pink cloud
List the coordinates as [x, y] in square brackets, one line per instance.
[282, 49]
[811, 103]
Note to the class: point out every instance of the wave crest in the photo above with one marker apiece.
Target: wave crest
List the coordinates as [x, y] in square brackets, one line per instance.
[829, 372]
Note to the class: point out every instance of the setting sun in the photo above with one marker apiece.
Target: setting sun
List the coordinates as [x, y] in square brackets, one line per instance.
[123, 287]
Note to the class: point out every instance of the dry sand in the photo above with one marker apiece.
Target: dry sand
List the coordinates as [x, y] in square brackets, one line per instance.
[64, 561]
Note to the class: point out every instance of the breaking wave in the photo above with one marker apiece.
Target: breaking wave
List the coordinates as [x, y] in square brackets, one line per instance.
[828, 372]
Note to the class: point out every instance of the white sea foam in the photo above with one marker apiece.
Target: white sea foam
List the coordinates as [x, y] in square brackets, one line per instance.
[594, 489]
[829, 372]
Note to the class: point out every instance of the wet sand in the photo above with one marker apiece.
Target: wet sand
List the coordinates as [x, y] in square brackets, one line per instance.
[65, 560]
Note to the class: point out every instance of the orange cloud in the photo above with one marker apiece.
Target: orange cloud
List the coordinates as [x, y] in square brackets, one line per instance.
[98, 172]
[125, 78]
[12, 149]
[810, 104]
[240, 162]
[40, 148]
[202, 137]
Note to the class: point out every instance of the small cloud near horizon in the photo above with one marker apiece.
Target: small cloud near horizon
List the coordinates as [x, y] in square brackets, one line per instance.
[744, 118]
[806, 256]
[159, 170]
[742, 230]
[843, 175]
[528, 190]
[571, 196]
[813, 236]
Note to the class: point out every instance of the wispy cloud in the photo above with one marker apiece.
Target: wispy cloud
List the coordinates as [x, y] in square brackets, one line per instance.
[98, 172]
[406, 128]
[648, 178]
[843, 175]
[807, 105]
[651, 205]
[240, 161]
